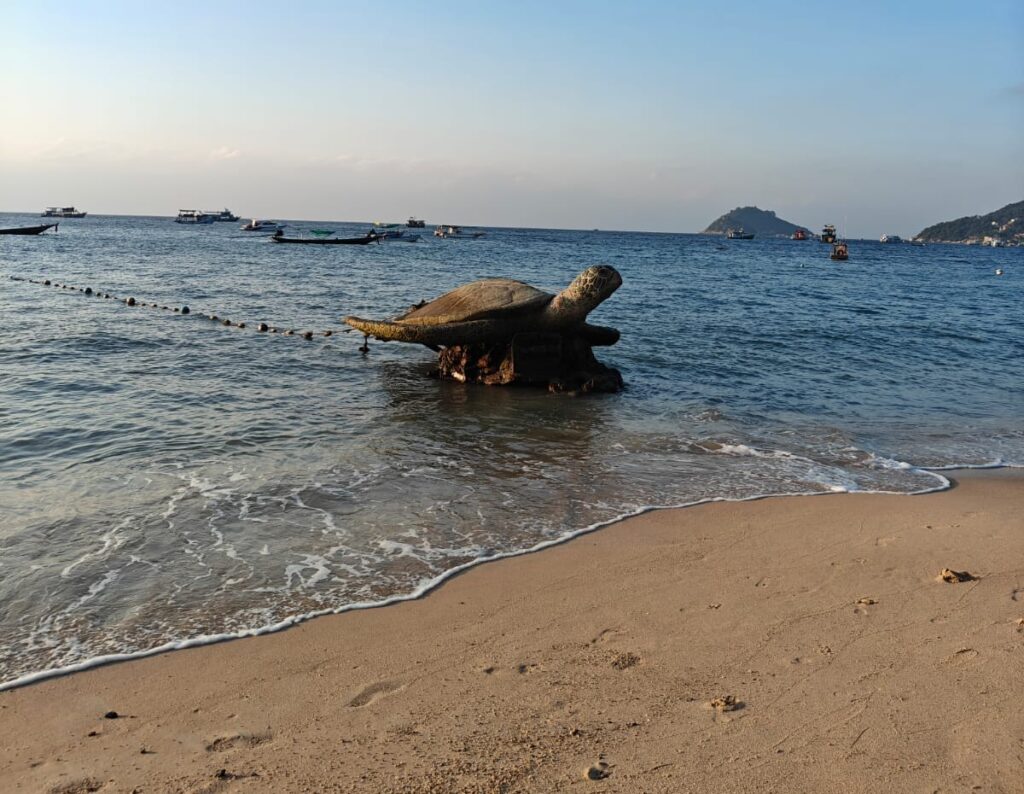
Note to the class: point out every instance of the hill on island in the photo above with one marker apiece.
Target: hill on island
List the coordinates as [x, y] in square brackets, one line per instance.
[751, 219]
[1005, 225]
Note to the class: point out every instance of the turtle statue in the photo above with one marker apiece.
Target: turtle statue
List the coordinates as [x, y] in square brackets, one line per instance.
[500, 331]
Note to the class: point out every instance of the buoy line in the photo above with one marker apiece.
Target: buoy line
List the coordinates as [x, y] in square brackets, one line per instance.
[183, 310]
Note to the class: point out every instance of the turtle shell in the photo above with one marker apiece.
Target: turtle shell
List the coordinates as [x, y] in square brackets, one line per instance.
[486, 299]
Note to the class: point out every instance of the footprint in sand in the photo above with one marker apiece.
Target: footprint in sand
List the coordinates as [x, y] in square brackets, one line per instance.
[82, 786]
[223, 743]
[605, 636]
[373, 692]
[1016, 594]
[962, 656]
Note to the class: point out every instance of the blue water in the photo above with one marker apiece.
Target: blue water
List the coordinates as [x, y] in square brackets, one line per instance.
[165, 479]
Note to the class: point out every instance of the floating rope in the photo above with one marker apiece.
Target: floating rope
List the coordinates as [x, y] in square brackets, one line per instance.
[132, 301]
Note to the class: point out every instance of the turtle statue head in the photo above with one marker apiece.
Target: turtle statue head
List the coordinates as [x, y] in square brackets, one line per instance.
[587, 290]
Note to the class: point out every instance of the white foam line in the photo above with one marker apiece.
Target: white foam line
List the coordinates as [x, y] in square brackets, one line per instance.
[431, 584]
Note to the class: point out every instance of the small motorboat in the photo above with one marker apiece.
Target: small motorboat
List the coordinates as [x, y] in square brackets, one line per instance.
[739, 234]
[449, 231]
[415, 223]
[828, 234]
[371, 237]
[890, 238]
[840, 252]
[799, 234]
[262, 226]
[25, 230]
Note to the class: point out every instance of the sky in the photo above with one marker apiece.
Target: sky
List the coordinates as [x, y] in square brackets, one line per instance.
[880, 117]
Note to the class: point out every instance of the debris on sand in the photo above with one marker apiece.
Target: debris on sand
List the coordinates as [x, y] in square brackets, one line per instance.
[951, 576]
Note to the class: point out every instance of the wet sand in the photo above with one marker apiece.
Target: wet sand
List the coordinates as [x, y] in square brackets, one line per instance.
[793, 644]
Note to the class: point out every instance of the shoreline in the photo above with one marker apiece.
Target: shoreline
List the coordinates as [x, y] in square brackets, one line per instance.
[607, 650]
[171, 646]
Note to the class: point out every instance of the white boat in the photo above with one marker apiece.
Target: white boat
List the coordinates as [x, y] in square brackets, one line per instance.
[193, 216]
[450, 232]
[63, 212]
[890, 238]
[262, 226]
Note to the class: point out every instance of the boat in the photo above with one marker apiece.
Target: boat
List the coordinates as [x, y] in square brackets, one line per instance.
[262, 226]
[389, 232]
[193, 216]
[400, 236]
[449, 231]
[890, 238]
[739, 234]
[828, 234]
[840, 252]
[62, 212]
[278, 237]
[799, 234]
[23, 230]
[415, 223]
[224, 216]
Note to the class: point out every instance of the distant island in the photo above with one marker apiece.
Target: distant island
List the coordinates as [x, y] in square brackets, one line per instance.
[752, 219]
[1003, 227]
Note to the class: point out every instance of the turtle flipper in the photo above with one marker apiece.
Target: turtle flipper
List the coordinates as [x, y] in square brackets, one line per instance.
[599, 334]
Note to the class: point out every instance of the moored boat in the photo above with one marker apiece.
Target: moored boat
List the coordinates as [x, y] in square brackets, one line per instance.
[26, 230]
[193, 217]
[223, 216]
[890, 238]
[449, 231]
[262, 226]
[739, 234]
[799, 234]
[62, 212]
[828, 234]
[415, 223]
[371, 237]
[840, 252]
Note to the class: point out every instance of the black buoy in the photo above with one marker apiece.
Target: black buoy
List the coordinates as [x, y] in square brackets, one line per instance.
[214, 317]
[307, 335]
[289, 332]
[47, 282]
[184, 310]
[241, 325]
[262, 327]
[328, 333]
[227, 322]
[130, 301]
[88, 290]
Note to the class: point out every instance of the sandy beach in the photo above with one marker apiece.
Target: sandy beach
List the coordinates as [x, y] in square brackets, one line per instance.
[791, 644]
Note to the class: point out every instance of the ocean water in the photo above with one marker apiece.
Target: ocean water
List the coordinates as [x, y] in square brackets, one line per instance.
[165, 480]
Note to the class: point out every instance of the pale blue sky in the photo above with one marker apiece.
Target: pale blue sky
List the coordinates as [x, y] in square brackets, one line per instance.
[650, 115]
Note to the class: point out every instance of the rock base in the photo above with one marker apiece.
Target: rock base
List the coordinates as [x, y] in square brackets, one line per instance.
[552, 361]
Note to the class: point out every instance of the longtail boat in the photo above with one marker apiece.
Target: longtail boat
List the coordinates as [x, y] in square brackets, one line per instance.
[369, 238]
[30, 229]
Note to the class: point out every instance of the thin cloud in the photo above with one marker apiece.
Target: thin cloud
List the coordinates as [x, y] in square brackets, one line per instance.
[224, 153]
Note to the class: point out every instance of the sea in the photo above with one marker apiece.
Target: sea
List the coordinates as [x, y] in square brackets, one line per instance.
[167, 481]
